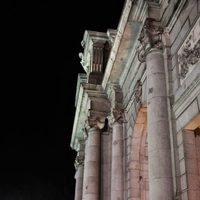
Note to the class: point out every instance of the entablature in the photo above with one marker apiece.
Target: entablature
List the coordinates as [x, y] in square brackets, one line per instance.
[92, 107]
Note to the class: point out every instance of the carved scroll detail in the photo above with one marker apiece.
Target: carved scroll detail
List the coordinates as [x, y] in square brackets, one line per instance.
[189, 53]
[188, 57]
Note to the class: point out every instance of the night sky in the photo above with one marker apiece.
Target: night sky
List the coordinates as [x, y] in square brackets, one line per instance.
[41, 42]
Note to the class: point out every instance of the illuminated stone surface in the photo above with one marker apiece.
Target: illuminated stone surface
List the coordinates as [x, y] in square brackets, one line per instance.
[138, 107]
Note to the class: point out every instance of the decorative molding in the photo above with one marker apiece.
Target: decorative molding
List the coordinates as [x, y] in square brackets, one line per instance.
[187, 97]
[179, 6]
[154, 1]
[81, 79]
[150, 37]
[189, 53]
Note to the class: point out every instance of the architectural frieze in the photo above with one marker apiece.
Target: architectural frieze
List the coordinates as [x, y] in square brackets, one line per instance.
[189, 57]
[189, 53]
[150, 37]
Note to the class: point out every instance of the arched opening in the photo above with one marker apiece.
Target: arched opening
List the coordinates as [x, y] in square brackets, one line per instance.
[191, 138]
[138, 162]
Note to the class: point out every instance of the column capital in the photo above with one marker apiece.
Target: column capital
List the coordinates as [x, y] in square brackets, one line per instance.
[150, 38]
[79, 160]
[95, 120]
[116, 116]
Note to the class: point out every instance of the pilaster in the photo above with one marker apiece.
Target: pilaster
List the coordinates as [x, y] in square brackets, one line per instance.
[116, 121]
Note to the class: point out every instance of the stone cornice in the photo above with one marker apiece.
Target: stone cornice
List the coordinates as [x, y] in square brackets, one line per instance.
[88, 109]
[176, 12]
[156, 8]
[82, 78]
[122, 43]
[131, 22]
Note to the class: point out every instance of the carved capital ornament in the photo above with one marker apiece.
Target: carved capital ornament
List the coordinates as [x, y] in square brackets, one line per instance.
[117, 115]
[150, 37]
[79, 161]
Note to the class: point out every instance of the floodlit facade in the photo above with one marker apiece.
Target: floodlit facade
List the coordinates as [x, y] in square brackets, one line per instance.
[137, 122]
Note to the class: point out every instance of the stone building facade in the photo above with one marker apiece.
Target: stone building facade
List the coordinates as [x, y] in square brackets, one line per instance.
[137, 122]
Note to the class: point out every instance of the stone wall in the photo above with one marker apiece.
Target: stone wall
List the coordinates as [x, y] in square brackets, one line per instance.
[186, 93]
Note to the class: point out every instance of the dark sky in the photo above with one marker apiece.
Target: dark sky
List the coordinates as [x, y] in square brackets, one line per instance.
[41, 42]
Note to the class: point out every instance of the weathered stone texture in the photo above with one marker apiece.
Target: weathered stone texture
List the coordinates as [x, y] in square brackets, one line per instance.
[198, 98]
[184, 30]
[188, 114]
[150, 147]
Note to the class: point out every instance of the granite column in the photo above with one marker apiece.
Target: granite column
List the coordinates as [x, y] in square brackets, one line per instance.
[159, 151]
[91, 185]
[79, 182]
[117, 157]
[79, 165]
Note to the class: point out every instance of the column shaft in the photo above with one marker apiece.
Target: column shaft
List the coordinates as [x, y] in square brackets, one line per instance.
[92, 166]
[117, 161]
[159, 154]
[79, 182]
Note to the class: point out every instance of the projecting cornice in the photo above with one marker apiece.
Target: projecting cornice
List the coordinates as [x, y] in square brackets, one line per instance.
[130, 25]
[132, 20]
[92, 107]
